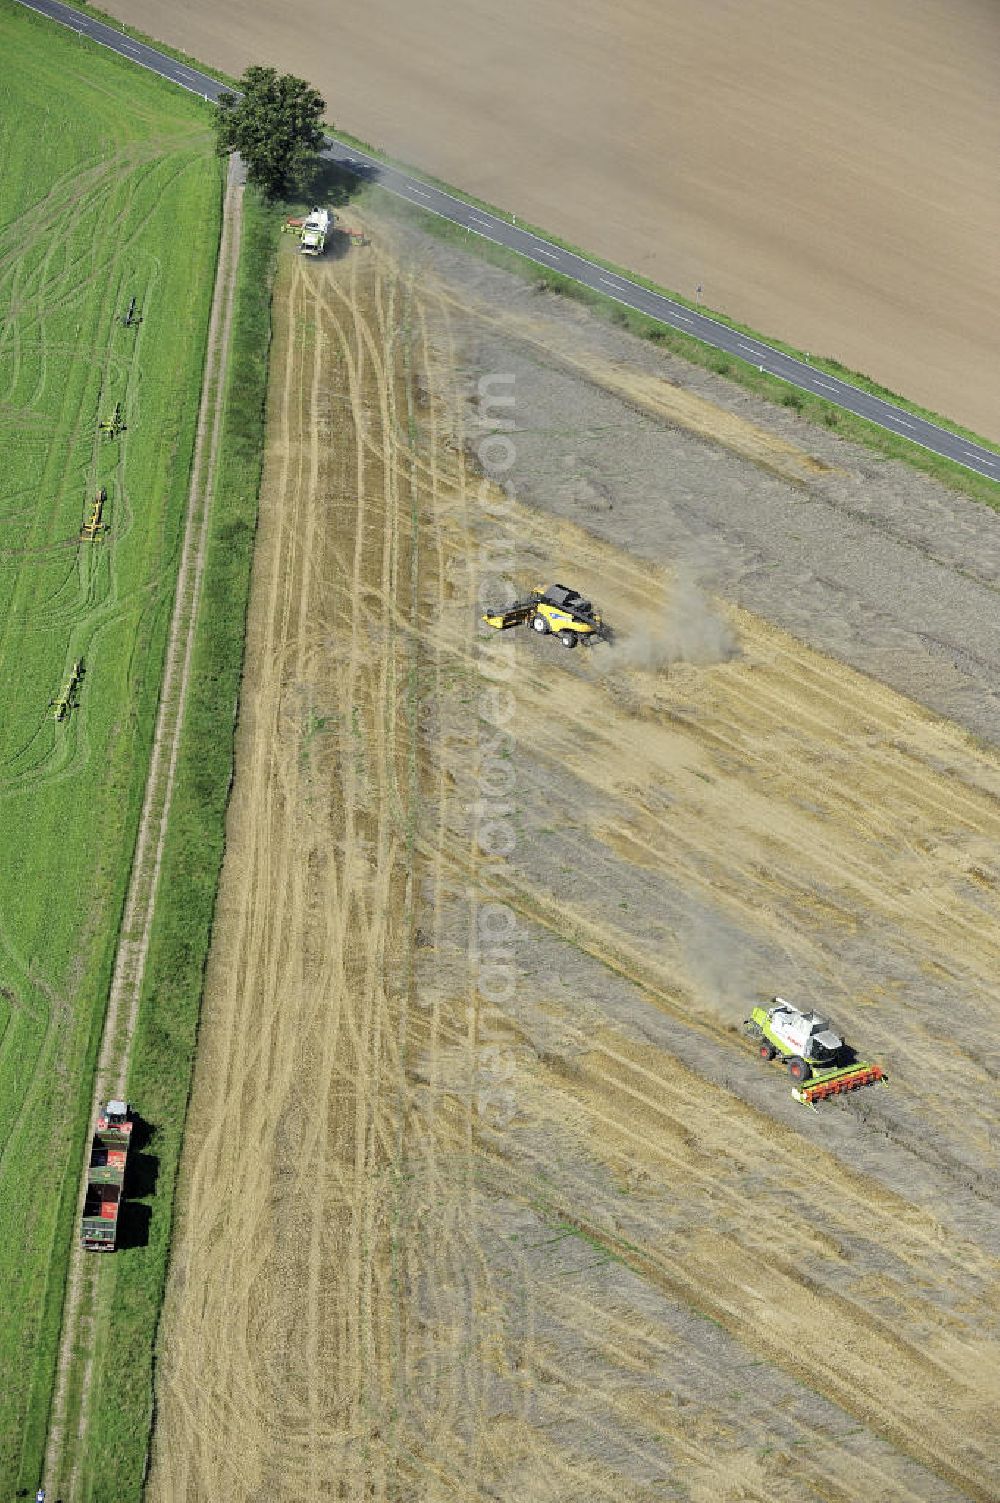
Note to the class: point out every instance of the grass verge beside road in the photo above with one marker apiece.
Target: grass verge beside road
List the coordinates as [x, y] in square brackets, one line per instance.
[164, 1044]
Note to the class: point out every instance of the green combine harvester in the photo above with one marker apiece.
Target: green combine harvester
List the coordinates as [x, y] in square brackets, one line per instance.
[814, 1055]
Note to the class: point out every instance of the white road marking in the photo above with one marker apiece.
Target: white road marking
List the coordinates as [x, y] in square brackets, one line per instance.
[902, 422]
[477, 219]
[828, 384]
[616, 285]
[422, 191]
[543, 252]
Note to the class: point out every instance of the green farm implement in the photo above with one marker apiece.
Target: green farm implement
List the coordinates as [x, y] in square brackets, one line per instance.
[69, 698]
[814, 1055]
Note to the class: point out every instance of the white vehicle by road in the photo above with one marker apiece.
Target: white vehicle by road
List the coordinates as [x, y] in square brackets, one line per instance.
[314, 232]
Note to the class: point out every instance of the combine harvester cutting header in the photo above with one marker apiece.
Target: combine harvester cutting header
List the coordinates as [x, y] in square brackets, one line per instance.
[810, 1050]
[556, 611]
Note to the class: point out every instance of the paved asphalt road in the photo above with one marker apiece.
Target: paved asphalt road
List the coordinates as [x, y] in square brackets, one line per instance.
[480, 222]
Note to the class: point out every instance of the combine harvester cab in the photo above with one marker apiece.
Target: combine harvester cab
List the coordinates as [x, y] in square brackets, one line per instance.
[106, 1177]
[557, 611]
[314, 232]
[813, 1053]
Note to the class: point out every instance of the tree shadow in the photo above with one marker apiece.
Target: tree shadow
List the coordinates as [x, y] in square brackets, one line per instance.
[142, 1132]
[143, 1172]
[134, 1220]
[330, 184]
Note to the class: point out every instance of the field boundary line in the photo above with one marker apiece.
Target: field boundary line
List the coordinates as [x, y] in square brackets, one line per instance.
[77, 1339]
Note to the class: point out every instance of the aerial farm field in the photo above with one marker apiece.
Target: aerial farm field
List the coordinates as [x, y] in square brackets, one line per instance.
[109, 191]
[484, 1195]
[818, 168]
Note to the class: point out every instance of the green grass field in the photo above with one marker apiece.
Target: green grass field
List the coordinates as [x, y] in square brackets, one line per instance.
[109, 190]
[164, 1045]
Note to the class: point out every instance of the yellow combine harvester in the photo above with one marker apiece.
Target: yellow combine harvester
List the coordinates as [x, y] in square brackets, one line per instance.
[554, 611]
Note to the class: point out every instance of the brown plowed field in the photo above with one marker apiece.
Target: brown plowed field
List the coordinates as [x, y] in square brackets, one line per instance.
[825, 171]
[444, 1237]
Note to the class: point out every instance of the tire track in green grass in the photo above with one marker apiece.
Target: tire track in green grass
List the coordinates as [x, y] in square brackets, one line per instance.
[69, 1417]
[88, 210]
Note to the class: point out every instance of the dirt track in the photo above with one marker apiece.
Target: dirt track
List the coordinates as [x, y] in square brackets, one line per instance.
[822, 170]
[574, 1242]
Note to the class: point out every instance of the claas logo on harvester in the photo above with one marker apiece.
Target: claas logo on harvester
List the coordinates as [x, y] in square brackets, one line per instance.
[553, 611]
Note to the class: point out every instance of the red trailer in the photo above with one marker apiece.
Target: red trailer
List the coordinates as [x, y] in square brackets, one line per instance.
[106, 1176]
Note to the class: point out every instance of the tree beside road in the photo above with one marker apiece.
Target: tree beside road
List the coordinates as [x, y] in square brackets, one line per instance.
[274, 125]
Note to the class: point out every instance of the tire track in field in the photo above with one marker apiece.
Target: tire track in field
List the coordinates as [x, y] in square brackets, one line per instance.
[375, 1293]
[563, 714]
[58, 476]
[65, 1443]
[312, 1120]
[90, 582]
[779, 819]
[714, 843]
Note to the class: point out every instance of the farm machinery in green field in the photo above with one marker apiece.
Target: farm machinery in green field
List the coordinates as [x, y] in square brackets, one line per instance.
[95, 524]
[816, 1057]
[115, 424]
[106, 1176]
[69, 696]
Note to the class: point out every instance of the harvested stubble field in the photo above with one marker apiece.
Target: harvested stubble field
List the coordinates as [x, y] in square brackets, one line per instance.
[443, 1238]
[109, 190]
